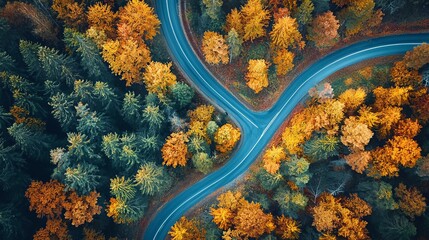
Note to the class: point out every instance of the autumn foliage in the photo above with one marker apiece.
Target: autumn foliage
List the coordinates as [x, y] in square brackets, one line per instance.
[215, 48]
[226, 137]
[174, 151]
[240, 217]
[342, 216]
[257, 75]
[46, 199]
[411, 201]
[158, 77]
[324, 30]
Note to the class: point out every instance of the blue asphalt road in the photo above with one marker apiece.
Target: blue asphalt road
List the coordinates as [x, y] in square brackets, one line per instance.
[257, 127]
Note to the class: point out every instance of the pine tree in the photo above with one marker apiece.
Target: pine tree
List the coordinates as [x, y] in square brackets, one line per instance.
[106, 97]
[154, 117]
[213, 8]
[63, 110]
[197, 144]
[152, 179]
[297, 170]
[122, 188]
[81, 148]
[29, 52]
[304, 12]
[131, 108]
[90, 58]
[90, 123]
[182, 94]
[6, 61]
[234, 44]
[83, 178]
[127, 211]
[57, 65]
[32, 141]
[202, 162]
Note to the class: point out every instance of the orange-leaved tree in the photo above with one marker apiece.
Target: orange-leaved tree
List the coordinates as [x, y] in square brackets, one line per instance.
[226, 137]
[102, 18]
[158, 77]
[257, 75]
[417, 57]
[174, 151]
[324, 30]
[141, 19]
[71, 12]
[287, 228]
[411, 201]
[399, 151]
[355, 135]
[407, 128]
[284, 61]
[352, 98]
[215, 48]
[46, 199]
[234, 21]
[55, 229]
[81, 209]
[222, 217]
[404, 77]
[359, 160]
[272, 158]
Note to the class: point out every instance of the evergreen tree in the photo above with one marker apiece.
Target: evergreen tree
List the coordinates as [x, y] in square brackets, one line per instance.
[182, 94]
[150, 143]
[10, 222]
[127, 211]
[106, 97]
[5, 118]
[290, 202]
[321, 147]
[131, 154]
[81, 148]
[6, 62]
[90, 123]
[57, 65]
[32, 142]
[212, 128]
[197, 144]
[63, 110]
[83, 91]
[304, 12]
[152, 179]
[296, 169]
[397, 227]
[269, 181]
[153, 117]
[234, 44]
[11, 165]
[29, 52]
[131, 108]
[202, 162]
[122, 188]
[83, 178]
[90, 58]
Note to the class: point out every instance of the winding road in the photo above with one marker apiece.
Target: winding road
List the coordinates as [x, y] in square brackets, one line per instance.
[257, 127]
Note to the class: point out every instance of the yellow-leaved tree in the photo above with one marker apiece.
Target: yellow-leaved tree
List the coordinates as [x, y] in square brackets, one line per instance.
[127, 58]
[257, 74]
[355, 135]
[234, 21]
[272, 158]
[158, 77]
[226, 137]
[215, 48]
[285, 33]
[255, 18]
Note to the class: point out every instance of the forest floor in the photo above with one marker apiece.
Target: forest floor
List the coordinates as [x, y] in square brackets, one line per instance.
[231, 76]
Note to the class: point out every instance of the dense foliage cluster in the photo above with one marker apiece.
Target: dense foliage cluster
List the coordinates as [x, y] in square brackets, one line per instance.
[81, 149]
[351, 163]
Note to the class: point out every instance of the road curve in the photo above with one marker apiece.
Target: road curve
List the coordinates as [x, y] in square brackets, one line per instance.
[257, 127]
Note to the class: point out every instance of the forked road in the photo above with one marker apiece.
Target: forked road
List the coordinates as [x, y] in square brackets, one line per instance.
[257, 127]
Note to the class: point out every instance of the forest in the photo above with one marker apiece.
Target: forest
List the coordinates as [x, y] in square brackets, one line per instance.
[256, 47]
[96, 124]
[351, 163]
